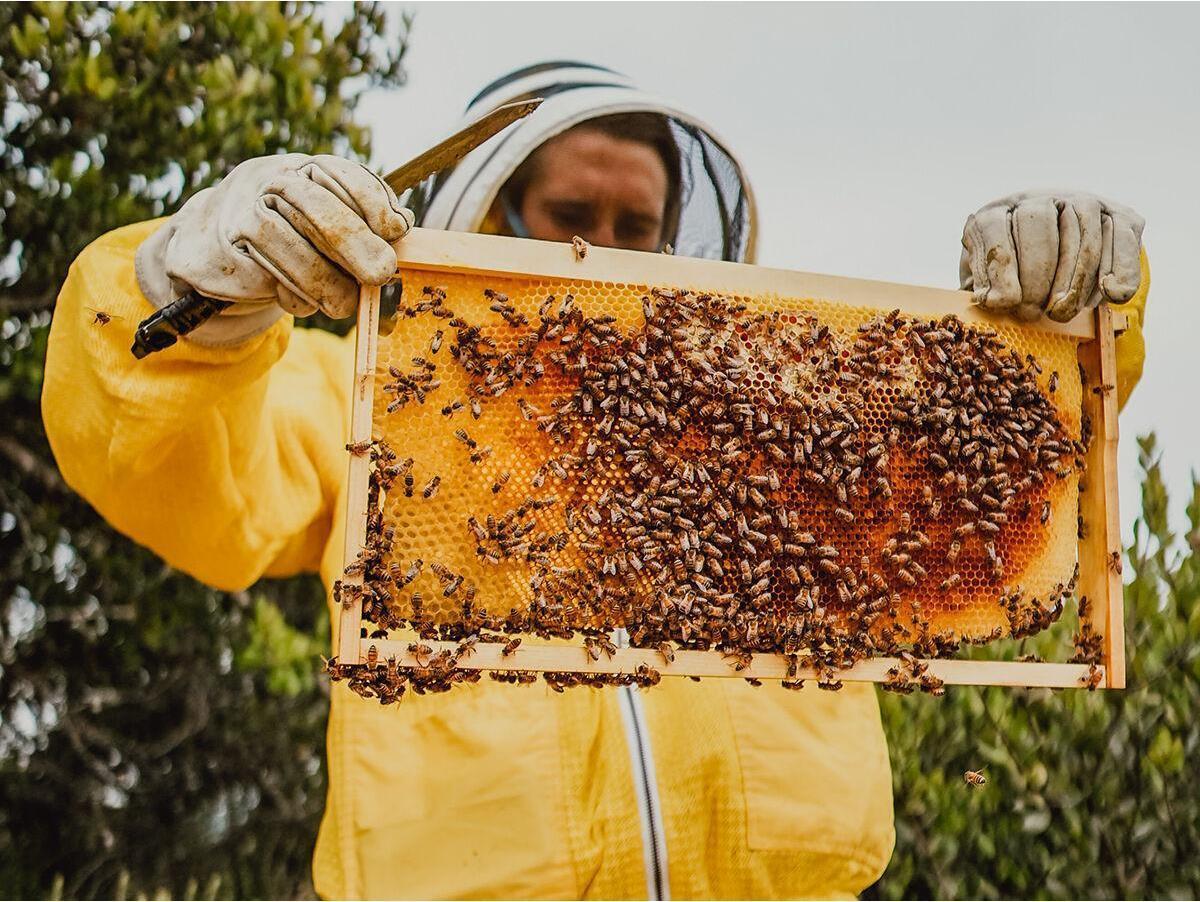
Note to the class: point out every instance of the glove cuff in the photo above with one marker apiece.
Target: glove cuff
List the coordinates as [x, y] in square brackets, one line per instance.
[234, 325]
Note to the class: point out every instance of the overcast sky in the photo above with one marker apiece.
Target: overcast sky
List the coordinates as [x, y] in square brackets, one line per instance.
[870, 132]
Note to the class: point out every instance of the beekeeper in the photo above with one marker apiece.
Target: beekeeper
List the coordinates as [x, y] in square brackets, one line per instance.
[225, 455]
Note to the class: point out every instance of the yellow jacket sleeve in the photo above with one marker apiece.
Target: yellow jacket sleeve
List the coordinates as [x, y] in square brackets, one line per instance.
[1131, 345]
[225, 462]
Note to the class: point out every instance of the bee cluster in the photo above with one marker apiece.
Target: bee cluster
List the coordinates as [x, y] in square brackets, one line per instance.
[722, 479]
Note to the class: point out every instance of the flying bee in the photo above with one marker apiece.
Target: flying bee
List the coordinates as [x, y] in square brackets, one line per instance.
[431, 488]
[101, 318]
[974, 778]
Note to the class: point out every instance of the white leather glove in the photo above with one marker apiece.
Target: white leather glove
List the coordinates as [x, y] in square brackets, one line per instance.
[1052, 253]
[290, 232]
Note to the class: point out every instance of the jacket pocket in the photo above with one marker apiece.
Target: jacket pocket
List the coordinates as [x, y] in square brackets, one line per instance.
[458, 796]
[815, 770]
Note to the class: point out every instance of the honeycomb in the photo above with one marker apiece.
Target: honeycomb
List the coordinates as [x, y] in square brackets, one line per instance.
[743, 473]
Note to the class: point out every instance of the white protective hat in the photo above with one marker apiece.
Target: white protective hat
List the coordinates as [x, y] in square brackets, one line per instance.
[716, 210]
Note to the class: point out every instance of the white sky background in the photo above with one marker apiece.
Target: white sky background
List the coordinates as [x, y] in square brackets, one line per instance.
[871, 131]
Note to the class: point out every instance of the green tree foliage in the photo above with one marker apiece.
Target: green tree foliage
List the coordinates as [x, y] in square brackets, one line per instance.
[1089, 794]
[154, 733]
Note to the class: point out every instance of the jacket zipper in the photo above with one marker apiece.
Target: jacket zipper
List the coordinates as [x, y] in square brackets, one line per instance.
[654, 846]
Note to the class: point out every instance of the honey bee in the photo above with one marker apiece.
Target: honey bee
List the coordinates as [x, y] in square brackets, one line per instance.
[417, 651]
[450, 409]
[435, 343]
[501, 482]
[408, 484]
[579, 247]
[741, 659]
[431, 488]
[1114, 561]
[951, 581]
[414, 570]
[372, 657]
[1053, 382]
[1094, 677]
[461, 435]
[101, 318]
[358, 449]
[476, 408]
[974, 778]
[510, 646]
[466, 647]
[668, 653]
[1045, 516]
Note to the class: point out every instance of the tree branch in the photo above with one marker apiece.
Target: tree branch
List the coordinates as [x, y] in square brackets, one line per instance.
[30, 465]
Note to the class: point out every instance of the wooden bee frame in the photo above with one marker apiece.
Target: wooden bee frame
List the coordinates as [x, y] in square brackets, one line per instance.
[1099, 581]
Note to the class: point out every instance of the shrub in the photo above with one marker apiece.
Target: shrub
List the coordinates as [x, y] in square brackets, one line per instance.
[1089, 794]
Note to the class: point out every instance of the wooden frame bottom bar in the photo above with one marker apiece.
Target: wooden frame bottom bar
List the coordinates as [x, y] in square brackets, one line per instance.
[565, 658]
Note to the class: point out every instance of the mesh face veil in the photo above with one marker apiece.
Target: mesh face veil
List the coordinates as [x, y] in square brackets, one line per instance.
[716, 218]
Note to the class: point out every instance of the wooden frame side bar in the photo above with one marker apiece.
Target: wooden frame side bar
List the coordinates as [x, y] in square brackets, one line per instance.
[1099, 579]
[346, 641]
[567, 658]
[435, 250]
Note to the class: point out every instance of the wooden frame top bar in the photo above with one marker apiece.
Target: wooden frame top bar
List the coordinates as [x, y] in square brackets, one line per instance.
[429, 249]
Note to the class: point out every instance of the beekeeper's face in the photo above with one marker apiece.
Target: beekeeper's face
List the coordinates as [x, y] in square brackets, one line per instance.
[609, 191]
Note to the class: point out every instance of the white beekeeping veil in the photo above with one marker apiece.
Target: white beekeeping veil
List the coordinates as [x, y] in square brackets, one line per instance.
[716, 211]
